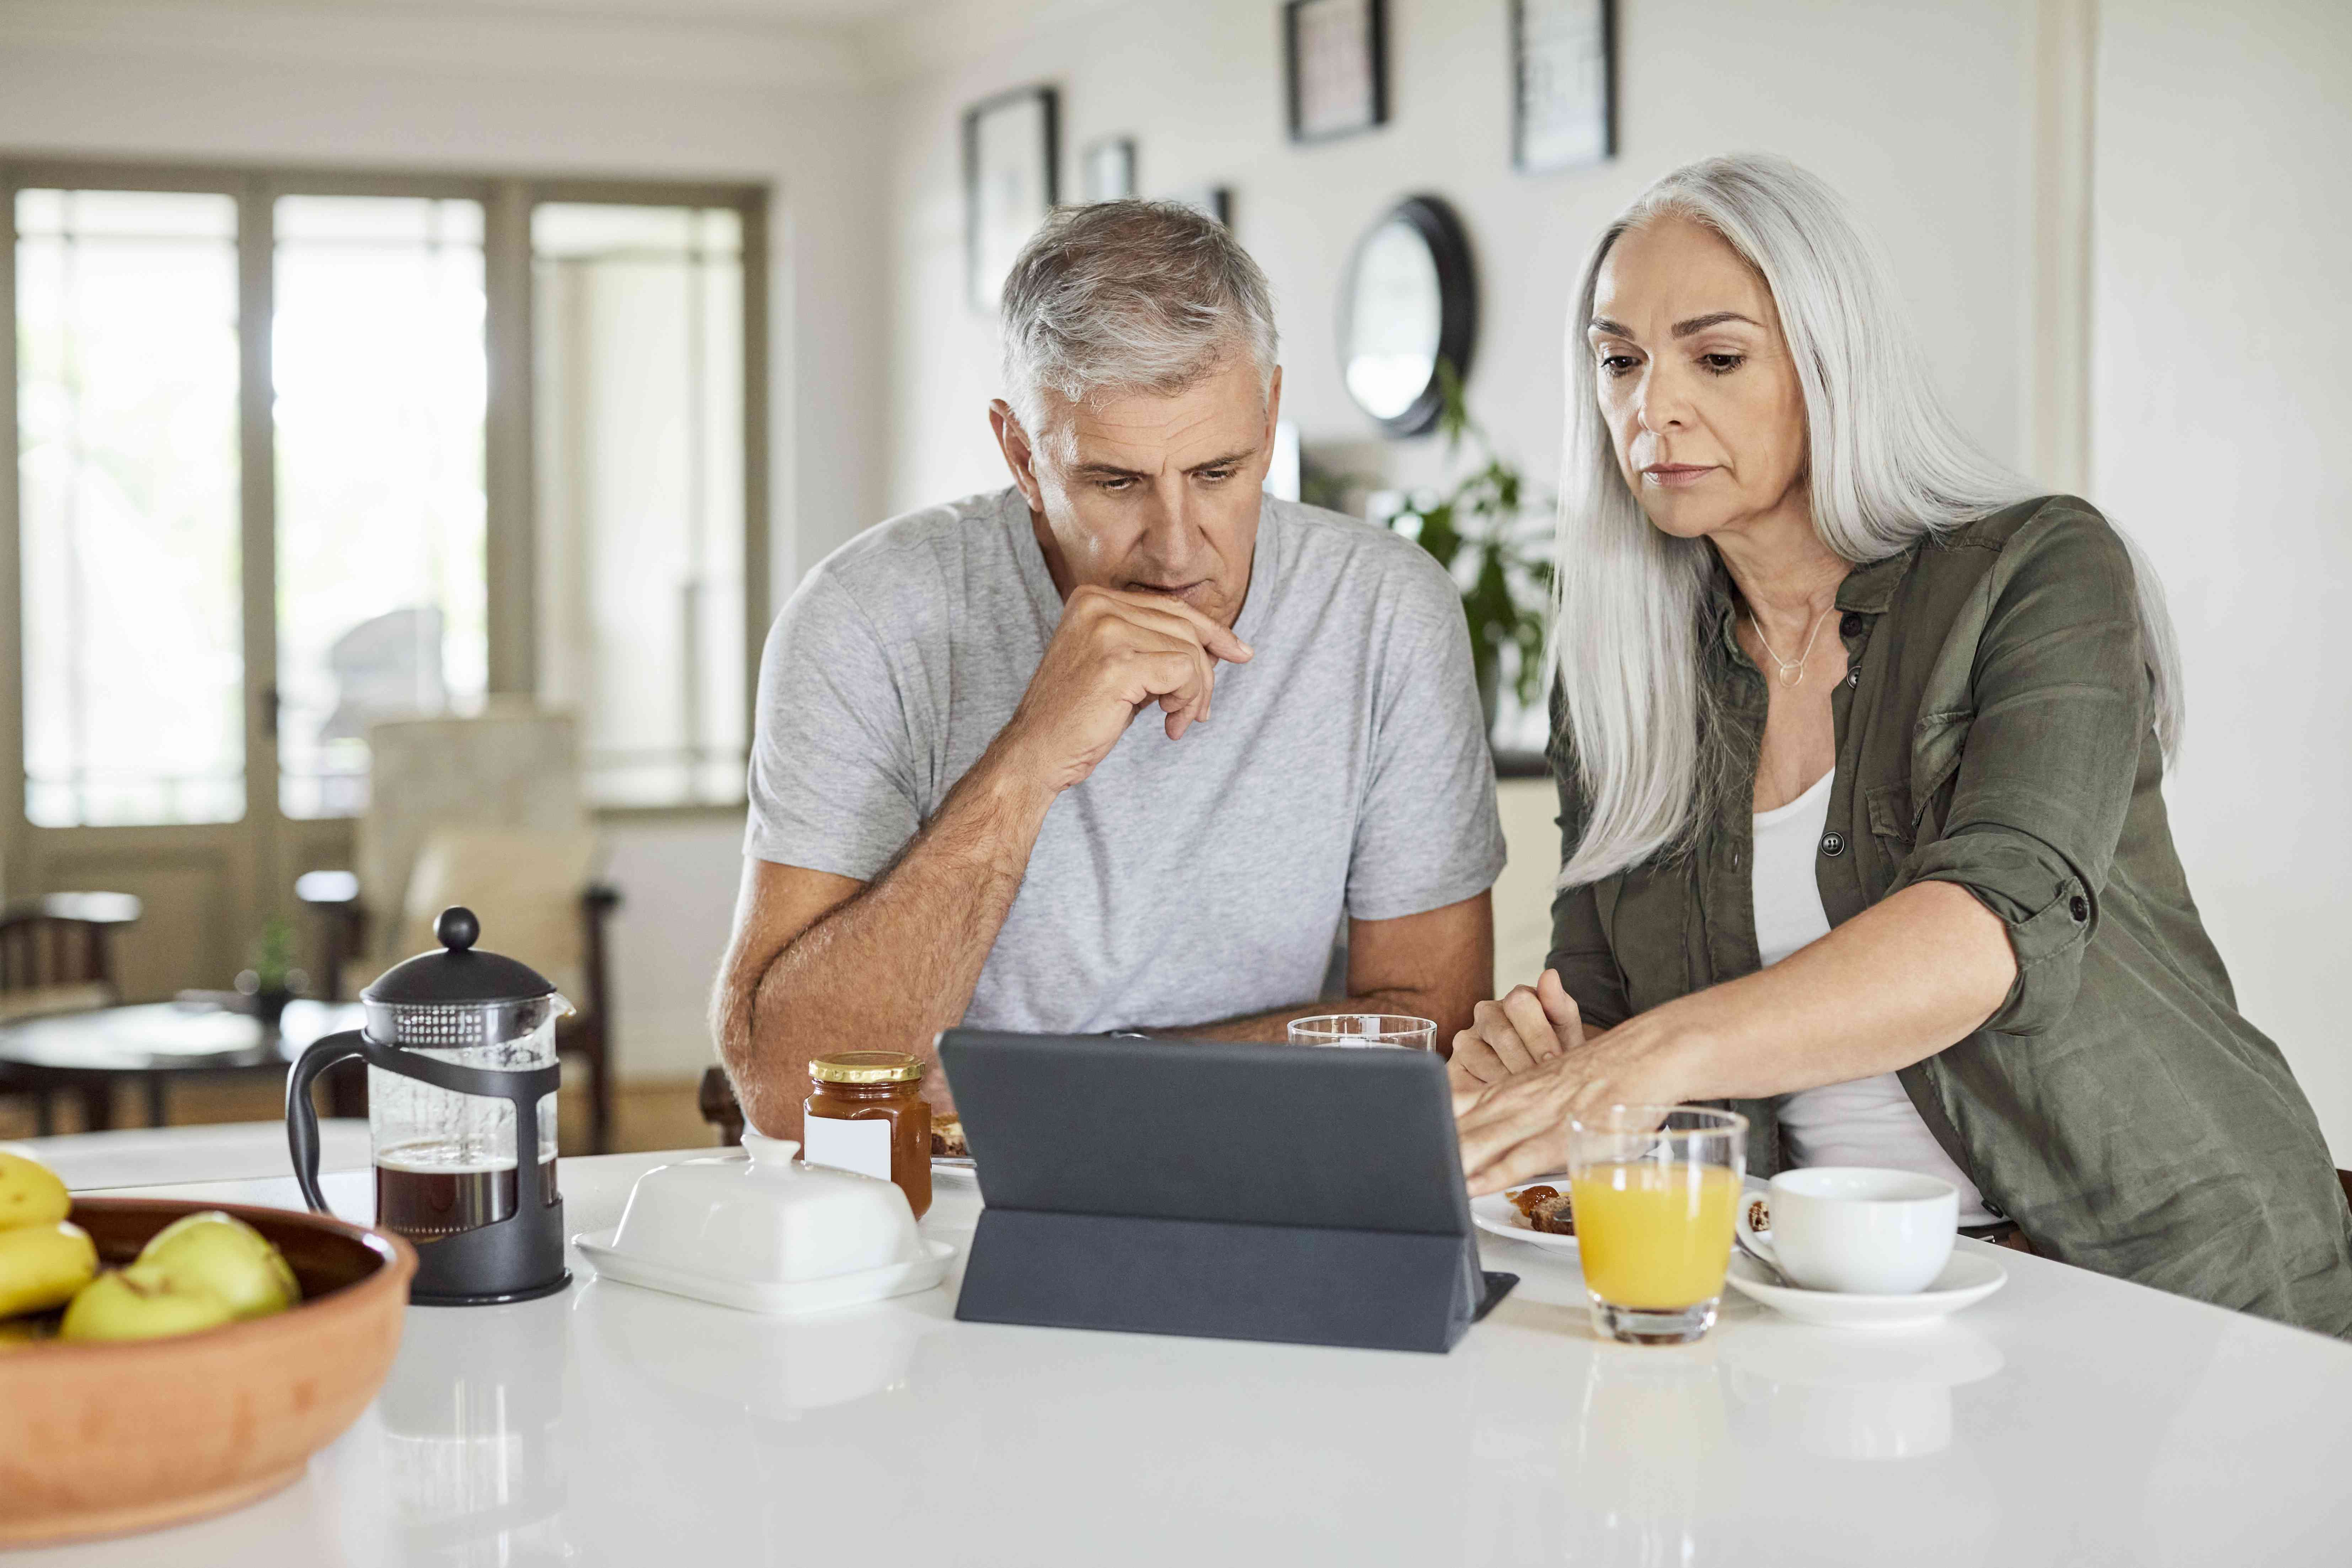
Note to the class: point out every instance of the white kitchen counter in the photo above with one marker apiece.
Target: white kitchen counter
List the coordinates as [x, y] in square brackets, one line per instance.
[2070, 1419]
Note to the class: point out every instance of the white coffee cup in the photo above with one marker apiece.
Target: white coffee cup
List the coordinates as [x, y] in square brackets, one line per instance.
[1857, 1229]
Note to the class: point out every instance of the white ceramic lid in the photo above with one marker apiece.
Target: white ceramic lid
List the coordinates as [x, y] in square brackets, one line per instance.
[766, 1219]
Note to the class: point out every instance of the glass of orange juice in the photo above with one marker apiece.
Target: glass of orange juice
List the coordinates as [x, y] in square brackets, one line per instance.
[1653, 1189]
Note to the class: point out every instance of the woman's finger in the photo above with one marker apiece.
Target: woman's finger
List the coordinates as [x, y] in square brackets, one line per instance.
[1567, 1019]
[1526, 1110]
[1474, 1061]
[1534, 1026]
[1502, 1036]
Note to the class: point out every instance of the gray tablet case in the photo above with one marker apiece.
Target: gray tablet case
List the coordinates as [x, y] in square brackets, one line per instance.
[1220, 1191]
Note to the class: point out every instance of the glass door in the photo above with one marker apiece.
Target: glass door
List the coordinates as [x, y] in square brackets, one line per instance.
[249, 523]
[379, 364]
[296, 454]
[135, 733]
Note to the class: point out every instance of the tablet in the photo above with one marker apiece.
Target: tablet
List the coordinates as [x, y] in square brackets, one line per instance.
[1250, 1191]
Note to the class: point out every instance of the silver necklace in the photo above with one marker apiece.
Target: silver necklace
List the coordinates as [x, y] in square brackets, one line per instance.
[1791, 670]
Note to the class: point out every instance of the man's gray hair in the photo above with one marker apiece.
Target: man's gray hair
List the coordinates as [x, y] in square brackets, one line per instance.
[1129, 297]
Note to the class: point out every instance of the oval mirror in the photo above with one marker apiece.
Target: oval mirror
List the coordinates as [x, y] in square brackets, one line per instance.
[1409, 302]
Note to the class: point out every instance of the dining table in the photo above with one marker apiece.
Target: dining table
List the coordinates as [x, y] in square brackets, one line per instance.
[2069, 1418]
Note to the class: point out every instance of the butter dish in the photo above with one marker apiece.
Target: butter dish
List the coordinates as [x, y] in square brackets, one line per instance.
[764, 1233]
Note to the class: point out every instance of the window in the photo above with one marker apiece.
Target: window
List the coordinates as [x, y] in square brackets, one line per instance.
[380, 366]
[128, 506]
[508, 438]
[637, 316]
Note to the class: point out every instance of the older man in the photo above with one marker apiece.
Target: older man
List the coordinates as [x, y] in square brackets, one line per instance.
[956, 815]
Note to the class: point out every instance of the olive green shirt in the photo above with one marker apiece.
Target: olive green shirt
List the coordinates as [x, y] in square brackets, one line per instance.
[1994, 730]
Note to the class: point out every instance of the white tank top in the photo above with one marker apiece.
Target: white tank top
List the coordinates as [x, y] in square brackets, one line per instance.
[1870, 1120]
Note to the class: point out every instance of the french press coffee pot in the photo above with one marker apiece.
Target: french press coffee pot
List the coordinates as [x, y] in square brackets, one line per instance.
[460, 1048]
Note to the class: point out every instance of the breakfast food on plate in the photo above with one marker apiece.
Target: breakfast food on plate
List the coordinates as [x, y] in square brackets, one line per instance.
[199, 1272]
[947, 1138]
[1546, 1209]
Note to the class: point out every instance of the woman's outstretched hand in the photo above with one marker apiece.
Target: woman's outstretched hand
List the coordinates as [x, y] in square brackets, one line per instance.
[1517, 1034]
[1517, 1128]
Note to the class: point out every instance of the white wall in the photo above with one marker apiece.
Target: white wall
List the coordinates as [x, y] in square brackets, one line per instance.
[2220, 405]
[1917, 109]
[442, 88]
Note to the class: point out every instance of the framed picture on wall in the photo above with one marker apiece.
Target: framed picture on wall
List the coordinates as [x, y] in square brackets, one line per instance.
[1106, 169]
[1010, 154]
[1563, 56]
[1336, 54]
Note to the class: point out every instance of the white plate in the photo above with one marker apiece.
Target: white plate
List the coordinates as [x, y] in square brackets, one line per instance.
[1968, 1278]
[1497, 1213]
[953, 1162]
[777, 1300]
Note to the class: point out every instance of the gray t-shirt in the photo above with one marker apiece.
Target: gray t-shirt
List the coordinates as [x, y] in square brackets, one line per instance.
[1345, 771]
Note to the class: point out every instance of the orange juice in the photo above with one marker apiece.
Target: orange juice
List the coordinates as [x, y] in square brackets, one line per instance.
[1655, 1236]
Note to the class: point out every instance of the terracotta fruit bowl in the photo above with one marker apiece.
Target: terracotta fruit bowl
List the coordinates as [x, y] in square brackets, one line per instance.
[102, 1439]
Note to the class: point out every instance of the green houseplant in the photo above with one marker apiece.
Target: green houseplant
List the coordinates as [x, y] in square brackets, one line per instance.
[1492, 531]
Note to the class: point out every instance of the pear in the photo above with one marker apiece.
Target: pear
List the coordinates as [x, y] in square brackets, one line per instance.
[30, 1192]
[135, 1303]
[41, 1266]
[218, 1253]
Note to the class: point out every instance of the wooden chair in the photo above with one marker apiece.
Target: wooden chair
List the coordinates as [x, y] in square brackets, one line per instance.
[56, 955]
[486, 812]
[333, 896]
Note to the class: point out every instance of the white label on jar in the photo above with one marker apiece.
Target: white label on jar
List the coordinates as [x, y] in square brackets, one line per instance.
[860, 1146]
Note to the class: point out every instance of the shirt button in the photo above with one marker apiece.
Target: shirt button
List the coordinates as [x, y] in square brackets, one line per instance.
[1832, 844]
[1852, 626]
[1852, 677]
[2079, 907]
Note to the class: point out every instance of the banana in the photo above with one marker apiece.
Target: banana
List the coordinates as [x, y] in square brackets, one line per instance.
[42, 1266]
[30, 1192]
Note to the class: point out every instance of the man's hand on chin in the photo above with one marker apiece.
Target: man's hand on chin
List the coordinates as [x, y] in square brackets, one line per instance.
[1114, 653]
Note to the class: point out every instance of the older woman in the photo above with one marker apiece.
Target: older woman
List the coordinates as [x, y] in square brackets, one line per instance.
[1860, 747]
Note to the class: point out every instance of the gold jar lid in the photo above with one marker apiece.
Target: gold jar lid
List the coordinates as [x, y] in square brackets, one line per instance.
[865, 1066]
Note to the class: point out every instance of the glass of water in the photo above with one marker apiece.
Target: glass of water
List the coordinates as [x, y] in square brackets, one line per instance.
[1357, 1030]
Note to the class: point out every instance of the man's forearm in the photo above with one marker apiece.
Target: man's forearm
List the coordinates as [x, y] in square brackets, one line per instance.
[898, 962]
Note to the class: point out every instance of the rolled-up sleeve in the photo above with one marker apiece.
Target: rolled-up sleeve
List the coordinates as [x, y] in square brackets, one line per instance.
[2049, 752]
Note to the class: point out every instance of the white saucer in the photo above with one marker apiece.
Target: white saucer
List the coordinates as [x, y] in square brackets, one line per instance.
[1968, 1278]
[1497, 1213]
[789, 1300]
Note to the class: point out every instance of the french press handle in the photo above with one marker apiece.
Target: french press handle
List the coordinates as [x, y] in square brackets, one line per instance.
[302, 1119]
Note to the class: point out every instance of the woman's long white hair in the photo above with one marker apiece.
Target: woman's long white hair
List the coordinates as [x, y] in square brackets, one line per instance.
[1886, 465]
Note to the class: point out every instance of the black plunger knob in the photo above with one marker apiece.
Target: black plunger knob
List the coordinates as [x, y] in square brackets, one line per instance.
[457, 929]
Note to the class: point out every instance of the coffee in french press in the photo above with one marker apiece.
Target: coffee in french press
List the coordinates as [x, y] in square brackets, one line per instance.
[462, 1074]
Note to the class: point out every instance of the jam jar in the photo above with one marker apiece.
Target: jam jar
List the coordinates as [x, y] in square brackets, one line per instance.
[866, 1112]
